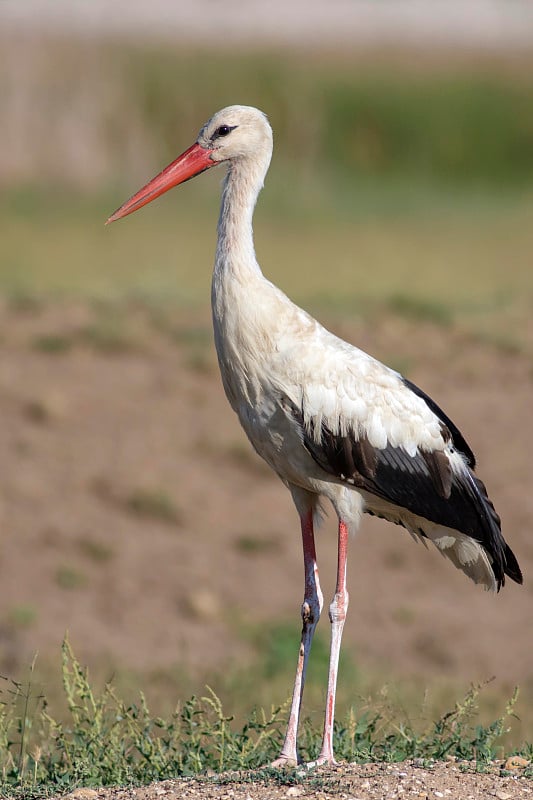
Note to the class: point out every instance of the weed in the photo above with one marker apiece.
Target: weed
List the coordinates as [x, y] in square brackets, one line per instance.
[68, 577]
[102, 741]
[96, 551]
[37, 411]
[53, 343]
[255, 544]
[109, 336]
[21, 711]
[155, 504]
[22, 616]
[24, 301]
[43, 410]
[146, 502]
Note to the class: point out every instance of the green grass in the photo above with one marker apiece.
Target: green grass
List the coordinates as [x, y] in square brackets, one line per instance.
[470, 267]
[453, 120]
[99, 740]
[389, 183]
[388, 173]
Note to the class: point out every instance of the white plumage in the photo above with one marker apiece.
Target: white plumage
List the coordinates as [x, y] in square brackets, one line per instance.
[331, 421]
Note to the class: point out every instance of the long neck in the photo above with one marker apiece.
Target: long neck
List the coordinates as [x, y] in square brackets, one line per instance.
[237, 279]
[235, 252]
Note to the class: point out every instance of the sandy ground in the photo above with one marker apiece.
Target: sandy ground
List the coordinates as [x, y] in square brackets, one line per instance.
[350, 782]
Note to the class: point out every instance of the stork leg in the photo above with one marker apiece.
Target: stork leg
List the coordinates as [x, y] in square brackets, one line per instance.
[337, 616]
[311, 608]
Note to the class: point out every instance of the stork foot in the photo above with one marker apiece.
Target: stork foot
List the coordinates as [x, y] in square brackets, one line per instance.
[284, 762]
[322, 761]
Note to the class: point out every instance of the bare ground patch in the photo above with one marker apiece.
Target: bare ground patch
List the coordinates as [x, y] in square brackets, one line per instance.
[349, 781]
[131, 502]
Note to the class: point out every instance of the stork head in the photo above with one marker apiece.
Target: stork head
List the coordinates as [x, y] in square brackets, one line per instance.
[234, 134]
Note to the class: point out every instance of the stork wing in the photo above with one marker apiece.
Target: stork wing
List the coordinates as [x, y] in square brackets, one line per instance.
[424, 484]
[367, 426]
[434, 483]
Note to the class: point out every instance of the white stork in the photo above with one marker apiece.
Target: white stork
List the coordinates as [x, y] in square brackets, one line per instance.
[329, 419]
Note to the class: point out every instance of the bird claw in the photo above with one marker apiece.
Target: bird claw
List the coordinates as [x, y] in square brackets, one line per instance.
[322, 761]
[289, 762]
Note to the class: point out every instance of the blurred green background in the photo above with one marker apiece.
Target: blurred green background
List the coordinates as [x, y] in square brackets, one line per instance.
[439, 147]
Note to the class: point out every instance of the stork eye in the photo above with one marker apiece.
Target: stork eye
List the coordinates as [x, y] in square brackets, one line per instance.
[223, 130]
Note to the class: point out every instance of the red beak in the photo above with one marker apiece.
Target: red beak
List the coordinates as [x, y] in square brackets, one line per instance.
[193, 161]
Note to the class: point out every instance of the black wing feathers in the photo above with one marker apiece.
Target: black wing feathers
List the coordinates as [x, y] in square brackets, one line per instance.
[422, 484]
[504, 558]
[458, 439]
[511, 565]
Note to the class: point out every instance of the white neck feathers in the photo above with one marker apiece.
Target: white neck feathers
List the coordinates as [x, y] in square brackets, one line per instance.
[235, 245]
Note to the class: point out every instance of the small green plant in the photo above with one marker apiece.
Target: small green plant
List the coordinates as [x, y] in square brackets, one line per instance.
[41, 410]
[68, 577]
[252, 544]
[24, 301]
[155, 504]
[102, 741]
[108, 336]
[22, 616]
[96, 551]
[53, 343]
[21, 710]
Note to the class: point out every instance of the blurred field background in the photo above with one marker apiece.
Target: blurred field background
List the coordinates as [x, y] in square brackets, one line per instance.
[398, 209]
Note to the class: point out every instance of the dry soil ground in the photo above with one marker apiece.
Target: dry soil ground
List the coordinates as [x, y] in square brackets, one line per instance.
[135, 515]
[349, 782]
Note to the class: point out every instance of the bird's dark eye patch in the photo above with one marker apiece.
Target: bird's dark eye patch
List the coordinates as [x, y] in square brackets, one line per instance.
[224, 130]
